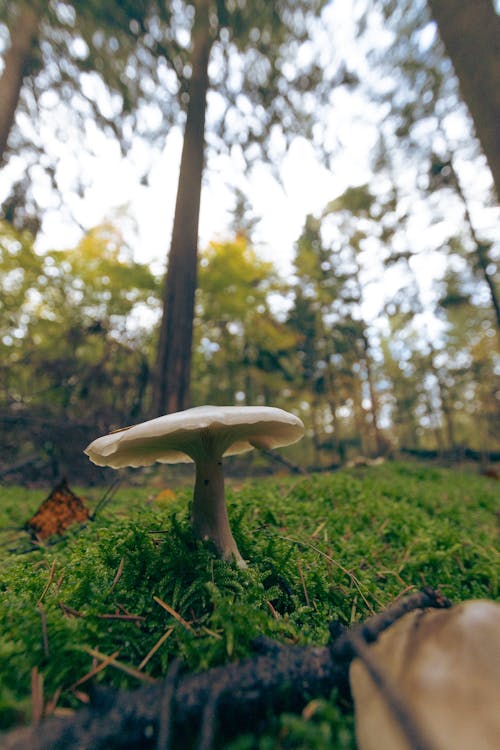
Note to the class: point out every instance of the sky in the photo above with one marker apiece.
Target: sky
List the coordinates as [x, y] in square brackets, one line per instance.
[305, 185]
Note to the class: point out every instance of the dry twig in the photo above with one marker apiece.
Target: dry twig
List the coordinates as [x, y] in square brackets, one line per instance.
[155, 648]
[171, 611]
[121, 666]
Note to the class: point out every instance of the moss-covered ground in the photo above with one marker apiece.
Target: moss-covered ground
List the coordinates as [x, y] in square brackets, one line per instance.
[134, 584]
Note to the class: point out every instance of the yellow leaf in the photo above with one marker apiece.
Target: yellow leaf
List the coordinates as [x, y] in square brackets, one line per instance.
[166, 496]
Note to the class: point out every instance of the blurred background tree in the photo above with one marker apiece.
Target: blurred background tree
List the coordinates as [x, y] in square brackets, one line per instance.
[70, 67]
[262, 93]
[242, 349]
[73, 355]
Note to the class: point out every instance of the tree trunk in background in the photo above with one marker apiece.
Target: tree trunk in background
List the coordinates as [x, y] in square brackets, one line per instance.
[374, 409]
[470, 31]
[359, 414]
[482, 249]
[332, 405]
[316, 441]
[17, 58]
[446, 409]
[142, 384]
[436, 429]
[173, 361]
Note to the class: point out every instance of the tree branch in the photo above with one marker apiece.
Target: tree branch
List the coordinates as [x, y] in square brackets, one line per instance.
[234, 696]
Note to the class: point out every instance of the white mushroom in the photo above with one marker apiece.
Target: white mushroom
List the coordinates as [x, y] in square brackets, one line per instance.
[204, 435]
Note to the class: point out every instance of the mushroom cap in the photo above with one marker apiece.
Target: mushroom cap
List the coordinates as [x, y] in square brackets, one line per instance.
[193, 434]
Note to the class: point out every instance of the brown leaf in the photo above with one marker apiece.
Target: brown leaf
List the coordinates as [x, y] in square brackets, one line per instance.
[59, 510]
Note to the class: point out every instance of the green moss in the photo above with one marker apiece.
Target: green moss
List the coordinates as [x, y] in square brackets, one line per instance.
[324, 547]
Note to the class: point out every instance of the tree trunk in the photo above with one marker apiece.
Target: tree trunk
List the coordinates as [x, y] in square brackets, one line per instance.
[142, 384]
[23, 37]
[482, 248]
[332, 405]
[359, 414]
[470, 31]
[316, 440]
[374, 409]
[445, 408]
[173, 362]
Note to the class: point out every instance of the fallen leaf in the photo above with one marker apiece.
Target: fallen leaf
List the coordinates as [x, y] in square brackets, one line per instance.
[59, 510]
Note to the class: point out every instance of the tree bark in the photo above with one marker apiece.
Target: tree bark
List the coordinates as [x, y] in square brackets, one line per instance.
[173, 362]
[23, 37]
[470, 32]
[445, 406]
[482, 248]
[374, 409]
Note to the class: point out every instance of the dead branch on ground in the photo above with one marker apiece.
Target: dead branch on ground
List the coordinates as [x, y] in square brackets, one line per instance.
[234, 697]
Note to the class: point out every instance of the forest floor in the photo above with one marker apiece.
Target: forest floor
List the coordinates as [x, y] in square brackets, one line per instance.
[124, 594]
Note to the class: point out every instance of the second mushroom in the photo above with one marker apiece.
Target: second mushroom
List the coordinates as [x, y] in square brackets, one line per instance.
[203, 435]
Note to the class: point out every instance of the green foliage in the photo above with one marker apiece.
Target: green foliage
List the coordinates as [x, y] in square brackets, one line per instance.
[338, 369]
[357, 200]
[69, 355]
[233, 282]
[323, 725]
[321, 547]
[241, 347]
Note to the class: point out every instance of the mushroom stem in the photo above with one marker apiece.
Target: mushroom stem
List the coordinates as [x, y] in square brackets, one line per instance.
[209, 518]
